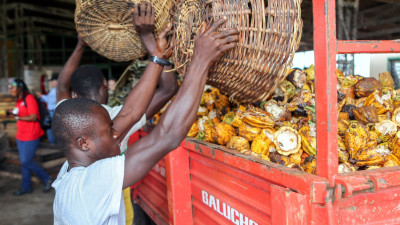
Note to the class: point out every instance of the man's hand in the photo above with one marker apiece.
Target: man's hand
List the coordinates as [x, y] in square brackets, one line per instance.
[81, 43]
[209, 44]
[143, 20]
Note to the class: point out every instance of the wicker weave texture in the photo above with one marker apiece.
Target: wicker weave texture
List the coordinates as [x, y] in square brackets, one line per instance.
[107, 26]
[269, 35]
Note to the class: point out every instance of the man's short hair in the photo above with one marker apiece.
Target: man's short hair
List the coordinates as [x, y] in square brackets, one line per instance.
[87, 80]
[73, 118]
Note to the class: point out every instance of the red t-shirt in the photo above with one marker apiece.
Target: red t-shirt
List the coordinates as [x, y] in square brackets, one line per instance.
[28, 130]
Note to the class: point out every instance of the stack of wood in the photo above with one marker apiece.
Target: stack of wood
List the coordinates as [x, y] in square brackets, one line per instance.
[7, 102]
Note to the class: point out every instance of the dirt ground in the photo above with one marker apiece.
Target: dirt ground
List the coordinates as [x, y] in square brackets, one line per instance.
[37, 208]
[29, 209]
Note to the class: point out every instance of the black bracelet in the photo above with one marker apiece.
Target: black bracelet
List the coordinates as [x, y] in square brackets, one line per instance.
[160, 61]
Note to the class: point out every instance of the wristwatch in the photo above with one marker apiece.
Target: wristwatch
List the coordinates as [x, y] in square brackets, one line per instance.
[160, 61]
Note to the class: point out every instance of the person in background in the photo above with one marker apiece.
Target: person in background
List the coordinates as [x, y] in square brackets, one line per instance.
[51, 100]
[111, 84]
[28, 136]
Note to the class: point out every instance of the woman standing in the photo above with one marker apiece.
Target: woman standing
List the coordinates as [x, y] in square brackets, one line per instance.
[28, 136]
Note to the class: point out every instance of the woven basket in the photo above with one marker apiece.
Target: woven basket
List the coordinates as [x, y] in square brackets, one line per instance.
[107, 26]
[269, 36]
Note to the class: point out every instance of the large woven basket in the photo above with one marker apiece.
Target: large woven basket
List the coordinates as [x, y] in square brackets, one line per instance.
[107, 26]
[269, 36]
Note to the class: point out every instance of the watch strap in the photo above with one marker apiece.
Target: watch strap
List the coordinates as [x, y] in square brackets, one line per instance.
[160, 61]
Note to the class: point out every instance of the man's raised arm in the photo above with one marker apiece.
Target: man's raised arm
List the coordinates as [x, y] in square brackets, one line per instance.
[141, 95]
[64, 79]
[178, 118]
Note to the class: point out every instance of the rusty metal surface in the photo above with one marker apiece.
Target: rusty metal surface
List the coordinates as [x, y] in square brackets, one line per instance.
[382, 207]
[289, 207]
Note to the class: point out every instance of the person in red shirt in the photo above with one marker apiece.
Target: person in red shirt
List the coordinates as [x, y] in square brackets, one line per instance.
[28, 135]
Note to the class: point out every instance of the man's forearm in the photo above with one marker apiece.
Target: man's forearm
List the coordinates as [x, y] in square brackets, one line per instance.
[138, 99]
[167, 88]
[64, 79]
[178, 118]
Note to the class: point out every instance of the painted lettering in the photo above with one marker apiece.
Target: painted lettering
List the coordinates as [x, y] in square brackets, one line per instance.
[234, 213]
[227, 211]
[205, 197]
[244, 220]
[218, 207]
[212, 202]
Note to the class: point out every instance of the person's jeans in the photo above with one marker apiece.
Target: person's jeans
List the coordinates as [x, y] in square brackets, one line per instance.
[27, 151]
[50, 136]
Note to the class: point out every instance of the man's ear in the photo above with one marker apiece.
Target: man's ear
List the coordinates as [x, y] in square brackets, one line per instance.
[82, 143]
[74, 94]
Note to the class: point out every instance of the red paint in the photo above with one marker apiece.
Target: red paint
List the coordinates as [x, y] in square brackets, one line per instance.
[178, 183]
[326, 89]
[152, 193]
[390, 46]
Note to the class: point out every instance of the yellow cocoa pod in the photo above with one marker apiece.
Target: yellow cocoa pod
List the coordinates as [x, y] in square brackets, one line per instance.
[248, 131]
[394, 144]
[237, 119]
[260, 146]
[308, 141]
[296, 157]
[264, 157]
[373, 167]
[238, 143]
[375, 100]
[222, 133]
[346, 168]
[386, 130]
[258, 119]
[372, 156]
[372, 138]
[202, 111]
[221, 101]
[287, 141]
[208, 135]
[279, 159]
[386, 81]
[392, 160]
[310, 165]
[194, 130]
[396, 116]
[342, 126]
[356, 137]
